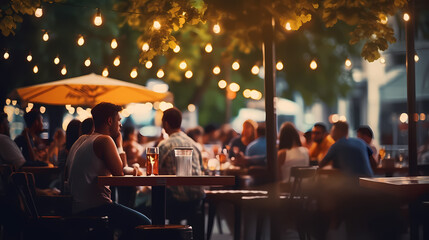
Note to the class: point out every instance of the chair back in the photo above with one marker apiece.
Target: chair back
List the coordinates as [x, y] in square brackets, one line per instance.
[5, 171]
[24, 187]
[299, 174]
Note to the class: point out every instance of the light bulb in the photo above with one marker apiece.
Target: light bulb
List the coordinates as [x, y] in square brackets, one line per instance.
[348, 63]
[176, 49]
[148, 64]
[246, 93]
[156, 25]
[183, 65]
[64, 70]
[133, 73]
[189, 74]
[98, 20]
[105, 72]
[45, 36]
[160, 73]
[6, 55]
[39, 12]
[406, 17]
[191, 108]
[234, 87]
[255, 70]
[216, 70]
[209, 48]
[313, 65]
[222, 84]
[87, 62]
[235, 65]
[416, 58]
[216, 28]
[80, 41]
[279, 66]
[114, 44]
[29, 57]
[288, 27]
[56, 60]
[116, 62]
[145, 47]
[35, 69]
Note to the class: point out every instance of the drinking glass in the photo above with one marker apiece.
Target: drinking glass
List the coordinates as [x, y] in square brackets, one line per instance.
[152, 160]
[183, 161]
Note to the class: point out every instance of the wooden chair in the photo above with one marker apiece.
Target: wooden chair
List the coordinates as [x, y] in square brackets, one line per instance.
[36, 226]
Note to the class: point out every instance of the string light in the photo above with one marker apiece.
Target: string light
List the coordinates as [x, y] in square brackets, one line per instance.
[191, 108]
[287, 26]
[116, 62]
[176, 49]
[183, 65]
[145, 47]
[216, 70]
[222, 84]
[64, 70]
[313, 65]
[383, 19]
[56, 60]
[209, 48]
[255, 95]
[246, 93]
[156, 25]
[14, 102]
[98, 20]
[80, 41]
[234, 87]
[148, 64]
[6, 55]
[235, 65]
[406, 17]
[114, 44]
[29, 57]
[7, 101]
[133, 73]
[348, 63]
[35, 69]
[105, 72]
[189, 74]
[382, 60]
[160, 73]
[416, 58]
[255, 70]
[42, 109]
[87, 62]
[39, 12]
[279, 66]
[216, 28]
[45, 37]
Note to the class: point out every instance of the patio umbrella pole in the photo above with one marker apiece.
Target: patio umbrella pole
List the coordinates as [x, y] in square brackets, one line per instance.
[270, 117]
[411, 91]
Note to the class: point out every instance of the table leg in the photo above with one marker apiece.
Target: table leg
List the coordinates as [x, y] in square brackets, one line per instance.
[158, 205]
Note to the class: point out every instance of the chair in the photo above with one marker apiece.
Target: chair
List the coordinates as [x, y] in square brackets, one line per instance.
[35, 226]
[289, 205]
[170, 232]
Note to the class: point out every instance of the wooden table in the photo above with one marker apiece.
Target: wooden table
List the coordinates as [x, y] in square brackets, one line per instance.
[159, 184]
[409, 189]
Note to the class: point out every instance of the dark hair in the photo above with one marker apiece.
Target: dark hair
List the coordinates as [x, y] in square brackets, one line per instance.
[342, 127]
[87, 126]
[194, 132]
[31, 117]
[365, 130]
[72, 132]
[322, 126]
[127, 131]
[173, 117]
[260, 130]
[210, 128]
[288, 136]
[3, 116]
[102, 111]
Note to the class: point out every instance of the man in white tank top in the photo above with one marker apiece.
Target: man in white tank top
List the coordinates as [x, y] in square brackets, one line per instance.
[101, 154]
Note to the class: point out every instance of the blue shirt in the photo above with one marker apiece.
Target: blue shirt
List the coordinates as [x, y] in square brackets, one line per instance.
[351, 156]
[256, 151]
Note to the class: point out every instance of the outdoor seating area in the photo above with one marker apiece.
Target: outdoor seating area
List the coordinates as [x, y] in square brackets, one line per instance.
[214, 120]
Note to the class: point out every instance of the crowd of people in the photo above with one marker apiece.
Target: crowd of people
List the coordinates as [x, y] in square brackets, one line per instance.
[99, 146]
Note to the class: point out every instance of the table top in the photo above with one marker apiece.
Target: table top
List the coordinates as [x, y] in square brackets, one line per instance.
[166, 180]
[41, 169]
[406, 187]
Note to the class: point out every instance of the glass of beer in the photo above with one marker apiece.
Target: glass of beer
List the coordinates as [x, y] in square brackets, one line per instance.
[152, 159]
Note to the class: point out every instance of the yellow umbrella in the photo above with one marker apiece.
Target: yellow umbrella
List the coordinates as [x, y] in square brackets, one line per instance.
[89, 90]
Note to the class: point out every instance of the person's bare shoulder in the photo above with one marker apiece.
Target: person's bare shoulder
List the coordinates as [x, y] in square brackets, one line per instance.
[102, 143]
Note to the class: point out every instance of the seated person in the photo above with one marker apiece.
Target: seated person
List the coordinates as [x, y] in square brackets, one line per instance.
[351, 156]
[321, 142]
[101, 154]
[365, 133]
[239, 143]
[256, 151]
[9, 151]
